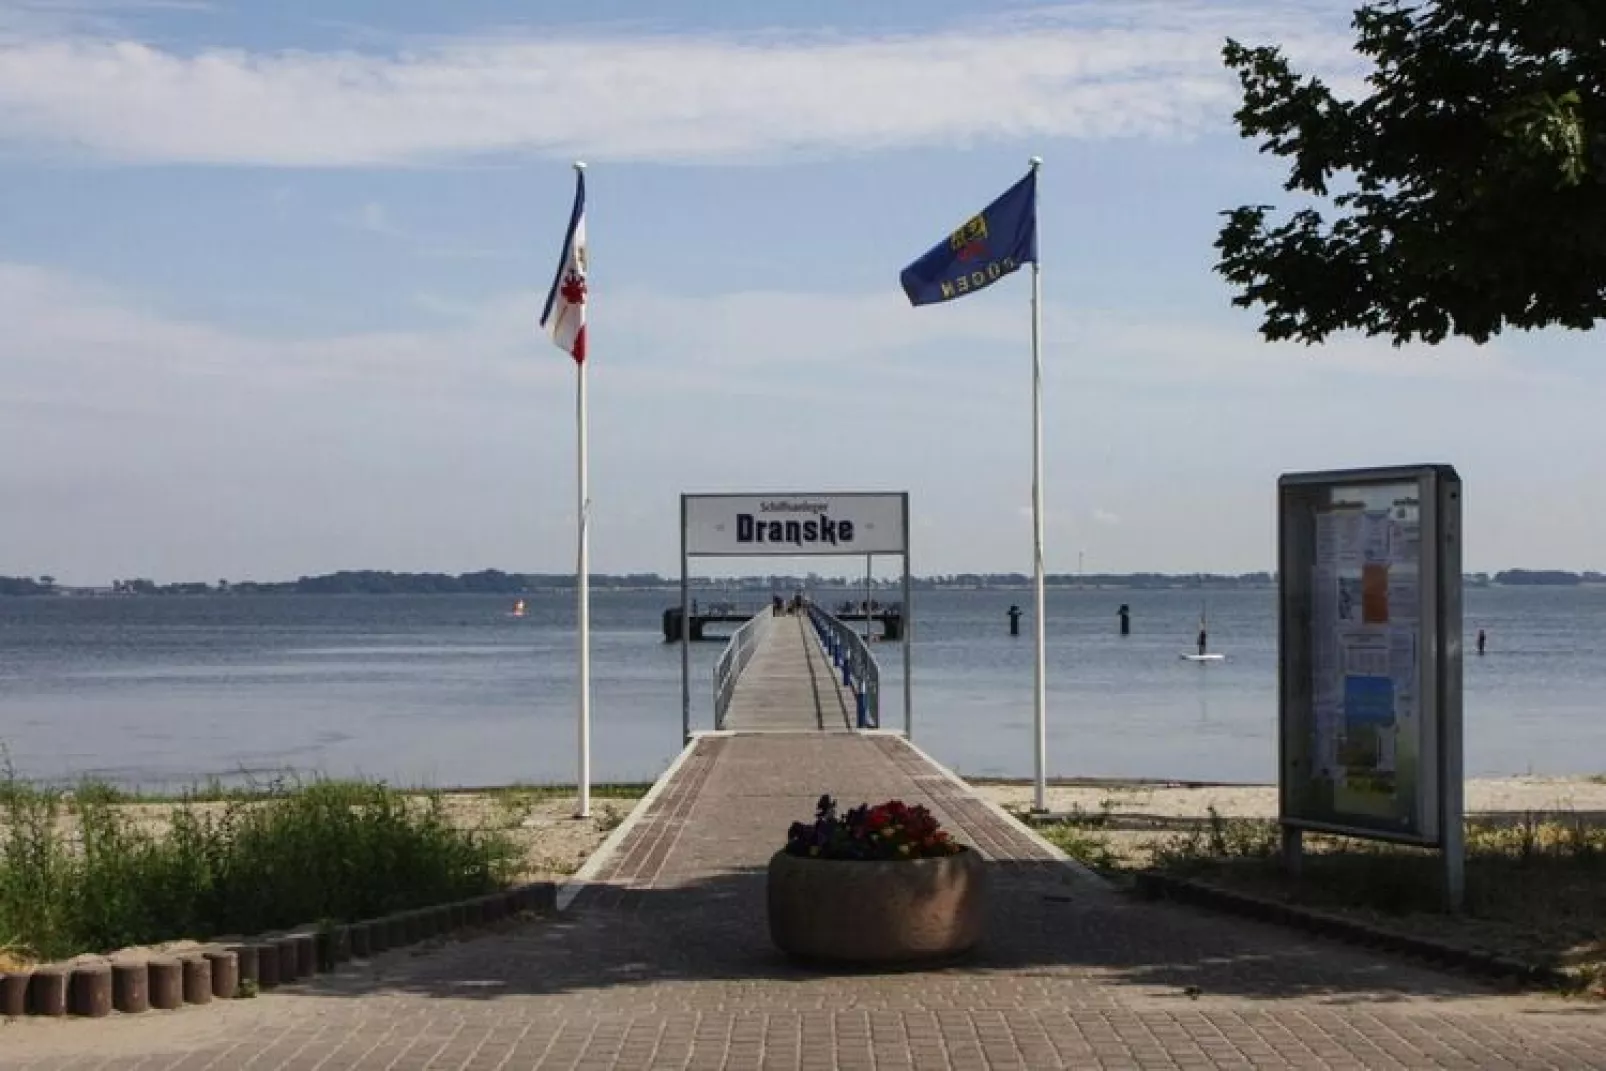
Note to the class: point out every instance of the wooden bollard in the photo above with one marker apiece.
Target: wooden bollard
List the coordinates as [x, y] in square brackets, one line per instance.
[131, 986]
[14, 993]
[245, 961]
[339, 945]
[225, 972]
[458, 914]
[399, 930]
[541, 897]
[47, 992]
[306, 946]
[166, 982]
[285, 948]
[378, 936]
[197, 978]
[358, 934]
[90, 990]
[473, 912]
[267, 958]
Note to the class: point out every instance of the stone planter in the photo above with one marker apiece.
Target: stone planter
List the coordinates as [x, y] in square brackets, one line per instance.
[846, 911]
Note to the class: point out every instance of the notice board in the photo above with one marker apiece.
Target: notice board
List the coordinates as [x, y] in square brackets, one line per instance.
[1369, 587]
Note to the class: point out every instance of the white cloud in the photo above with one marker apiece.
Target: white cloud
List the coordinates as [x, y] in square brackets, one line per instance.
[1089, 71]
[276, 449]
[65, 332]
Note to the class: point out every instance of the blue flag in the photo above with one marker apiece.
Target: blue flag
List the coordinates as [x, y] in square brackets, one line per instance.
[983, 251]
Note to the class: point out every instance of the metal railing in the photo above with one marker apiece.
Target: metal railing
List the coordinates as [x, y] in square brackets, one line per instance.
[851, 657]
[733, 660]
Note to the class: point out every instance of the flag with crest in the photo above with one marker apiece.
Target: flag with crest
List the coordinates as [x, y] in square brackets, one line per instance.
[564, 318]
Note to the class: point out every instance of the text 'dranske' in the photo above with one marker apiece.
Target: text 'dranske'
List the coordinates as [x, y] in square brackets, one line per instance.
[821, 531]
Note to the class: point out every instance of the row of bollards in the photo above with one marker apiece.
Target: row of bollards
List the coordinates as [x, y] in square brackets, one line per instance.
[133, 982]
[94, 986]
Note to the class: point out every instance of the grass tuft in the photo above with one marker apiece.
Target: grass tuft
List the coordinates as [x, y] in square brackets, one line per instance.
[78, 874]
[1532, 881]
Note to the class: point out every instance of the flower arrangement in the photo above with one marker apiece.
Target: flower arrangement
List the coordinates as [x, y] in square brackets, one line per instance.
[888, 831]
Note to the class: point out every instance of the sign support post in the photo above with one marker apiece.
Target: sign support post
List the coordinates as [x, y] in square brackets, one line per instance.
[908, 632]
[685, 634]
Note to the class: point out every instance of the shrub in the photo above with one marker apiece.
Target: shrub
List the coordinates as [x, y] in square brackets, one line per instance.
[76, 874]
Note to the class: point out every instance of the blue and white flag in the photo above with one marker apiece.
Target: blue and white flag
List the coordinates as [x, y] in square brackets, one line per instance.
[988, 247]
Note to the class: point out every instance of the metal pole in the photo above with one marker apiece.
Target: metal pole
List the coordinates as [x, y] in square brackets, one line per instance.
[1040, 695]
[685, 635]
[908, 631]
[867, 559]
[1445, 615]
[583, 808]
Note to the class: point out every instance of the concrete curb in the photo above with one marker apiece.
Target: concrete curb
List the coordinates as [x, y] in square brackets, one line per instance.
[1156, 886]
[92, 986]
[1055, 852]
[605, 852]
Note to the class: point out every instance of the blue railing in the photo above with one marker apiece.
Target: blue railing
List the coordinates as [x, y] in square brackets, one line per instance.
[733, 659]
[851, 657]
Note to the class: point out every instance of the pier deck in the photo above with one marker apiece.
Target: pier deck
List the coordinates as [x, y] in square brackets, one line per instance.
[790, 686]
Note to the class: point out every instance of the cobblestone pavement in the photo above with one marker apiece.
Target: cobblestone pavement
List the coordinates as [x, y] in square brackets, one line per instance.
[666, 963]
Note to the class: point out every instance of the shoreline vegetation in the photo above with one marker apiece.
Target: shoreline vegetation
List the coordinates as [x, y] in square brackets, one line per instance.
[497, 582]
[92, 868]
[1535, 859]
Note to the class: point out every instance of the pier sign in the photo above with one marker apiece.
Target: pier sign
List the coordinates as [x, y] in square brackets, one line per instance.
[795, 525]
[862, 524]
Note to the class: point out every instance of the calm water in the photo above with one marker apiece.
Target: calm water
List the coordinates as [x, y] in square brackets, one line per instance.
[451, 690]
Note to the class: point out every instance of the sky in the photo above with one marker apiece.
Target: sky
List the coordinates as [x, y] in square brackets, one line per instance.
[270, 277]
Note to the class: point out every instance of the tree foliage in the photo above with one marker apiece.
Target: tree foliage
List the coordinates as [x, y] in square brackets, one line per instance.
[1464, 193]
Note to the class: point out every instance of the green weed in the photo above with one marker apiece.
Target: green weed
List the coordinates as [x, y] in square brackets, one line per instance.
[78, 874]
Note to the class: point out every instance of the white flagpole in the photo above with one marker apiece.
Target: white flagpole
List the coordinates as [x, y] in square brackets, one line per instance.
[1040, 724]
[583, 576]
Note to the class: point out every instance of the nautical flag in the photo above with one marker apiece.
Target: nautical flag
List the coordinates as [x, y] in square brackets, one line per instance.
[565, 315]
[988, 247]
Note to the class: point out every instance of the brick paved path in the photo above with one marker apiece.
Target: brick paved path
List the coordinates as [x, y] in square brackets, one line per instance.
[666, 963]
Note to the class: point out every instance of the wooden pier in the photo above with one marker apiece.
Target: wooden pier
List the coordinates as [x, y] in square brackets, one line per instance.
[890, 620]
[790, 685]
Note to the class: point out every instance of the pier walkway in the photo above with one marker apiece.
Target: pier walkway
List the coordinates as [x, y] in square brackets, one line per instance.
[662, 959]
[789, 685]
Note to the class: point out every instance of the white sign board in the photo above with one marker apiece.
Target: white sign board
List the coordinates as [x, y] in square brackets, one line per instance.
[794, 525]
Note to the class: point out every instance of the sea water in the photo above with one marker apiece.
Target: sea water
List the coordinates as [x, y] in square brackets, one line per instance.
[453, 690]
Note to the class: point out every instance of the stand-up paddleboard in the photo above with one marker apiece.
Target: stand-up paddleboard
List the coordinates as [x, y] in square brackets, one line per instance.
[1203, 657]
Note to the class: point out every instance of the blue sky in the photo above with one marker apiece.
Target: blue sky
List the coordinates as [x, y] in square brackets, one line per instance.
[271, 275]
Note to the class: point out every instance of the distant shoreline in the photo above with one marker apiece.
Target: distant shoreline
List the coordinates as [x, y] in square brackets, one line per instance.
[756, 588]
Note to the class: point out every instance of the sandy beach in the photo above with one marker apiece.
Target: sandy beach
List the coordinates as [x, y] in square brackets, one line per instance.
[1139, 800]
